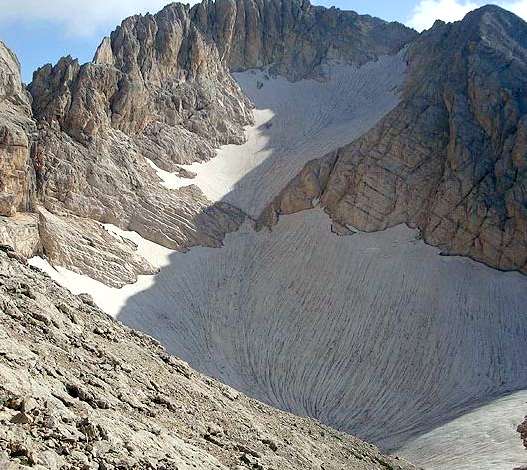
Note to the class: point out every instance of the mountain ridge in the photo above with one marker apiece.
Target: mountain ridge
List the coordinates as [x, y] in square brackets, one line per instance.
[468, 197]
[160, 91]
[98, 150]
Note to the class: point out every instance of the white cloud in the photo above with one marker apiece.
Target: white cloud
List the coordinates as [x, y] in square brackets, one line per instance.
[77, 17]
[519, 7]
[427, 11]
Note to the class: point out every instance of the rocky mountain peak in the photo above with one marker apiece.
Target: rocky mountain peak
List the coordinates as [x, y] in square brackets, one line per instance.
[457, 166]
[294, 38]
[160, 47]
[11, 88]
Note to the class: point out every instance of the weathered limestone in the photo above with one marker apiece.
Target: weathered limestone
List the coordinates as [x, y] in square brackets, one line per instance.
[15, 111]
[79, 390]
[294, 38]
[451, 159]
[21, 233]
[159, 88]
[84, 246]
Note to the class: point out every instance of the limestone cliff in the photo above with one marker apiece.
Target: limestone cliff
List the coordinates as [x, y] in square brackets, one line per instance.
[15, 124]
[294, 38]
[451, 158]
[157, 90]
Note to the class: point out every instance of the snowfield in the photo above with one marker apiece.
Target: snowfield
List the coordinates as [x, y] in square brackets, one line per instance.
[375, 334]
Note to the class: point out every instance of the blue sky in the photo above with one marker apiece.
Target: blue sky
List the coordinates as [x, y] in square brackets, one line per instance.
[41, 31]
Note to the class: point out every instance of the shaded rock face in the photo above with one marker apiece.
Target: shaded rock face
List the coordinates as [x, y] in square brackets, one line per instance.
[522, 429]
[294, 37]
[158, 90]
[126, 403]
[451, 158]
[15, 123]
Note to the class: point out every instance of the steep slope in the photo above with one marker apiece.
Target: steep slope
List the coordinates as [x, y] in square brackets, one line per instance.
[373, 333]
[158, 94]
[15, 164]
[294, 38]
[127, 403]
[451, 158]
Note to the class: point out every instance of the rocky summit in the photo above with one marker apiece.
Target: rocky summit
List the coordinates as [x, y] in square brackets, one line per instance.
[450, 158]
[320, 210]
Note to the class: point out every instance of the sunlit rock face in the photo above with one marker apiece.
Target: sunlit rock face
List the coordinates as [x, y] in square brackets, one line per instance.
[15, 123]
[294, 38]
[450, 159]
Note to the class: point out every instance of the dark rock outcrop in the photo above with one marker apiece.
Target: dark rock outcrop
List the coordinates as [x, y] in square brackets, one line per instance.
[522, 430]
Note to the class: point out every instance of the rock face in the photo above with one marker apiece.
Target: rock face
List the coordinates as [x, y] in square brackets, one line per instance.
[522, 429]
[159, 88]
[294, 38]
[129, 404]
[15, 123]
[21, 233]
[84, 246]
[156, 90]
[451, 158]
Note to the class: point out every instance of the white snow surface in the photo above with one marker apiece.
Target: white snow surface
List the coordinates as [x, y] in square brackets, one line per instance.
[169, 180]
[295, 123]
[375, 333]
[479, 439]
[112, 300]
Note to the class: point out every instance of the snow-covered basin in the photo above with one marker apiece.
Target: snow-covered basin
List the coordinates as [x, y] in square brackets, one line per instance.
[374, 333]
[483, 438]
[295, 123]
